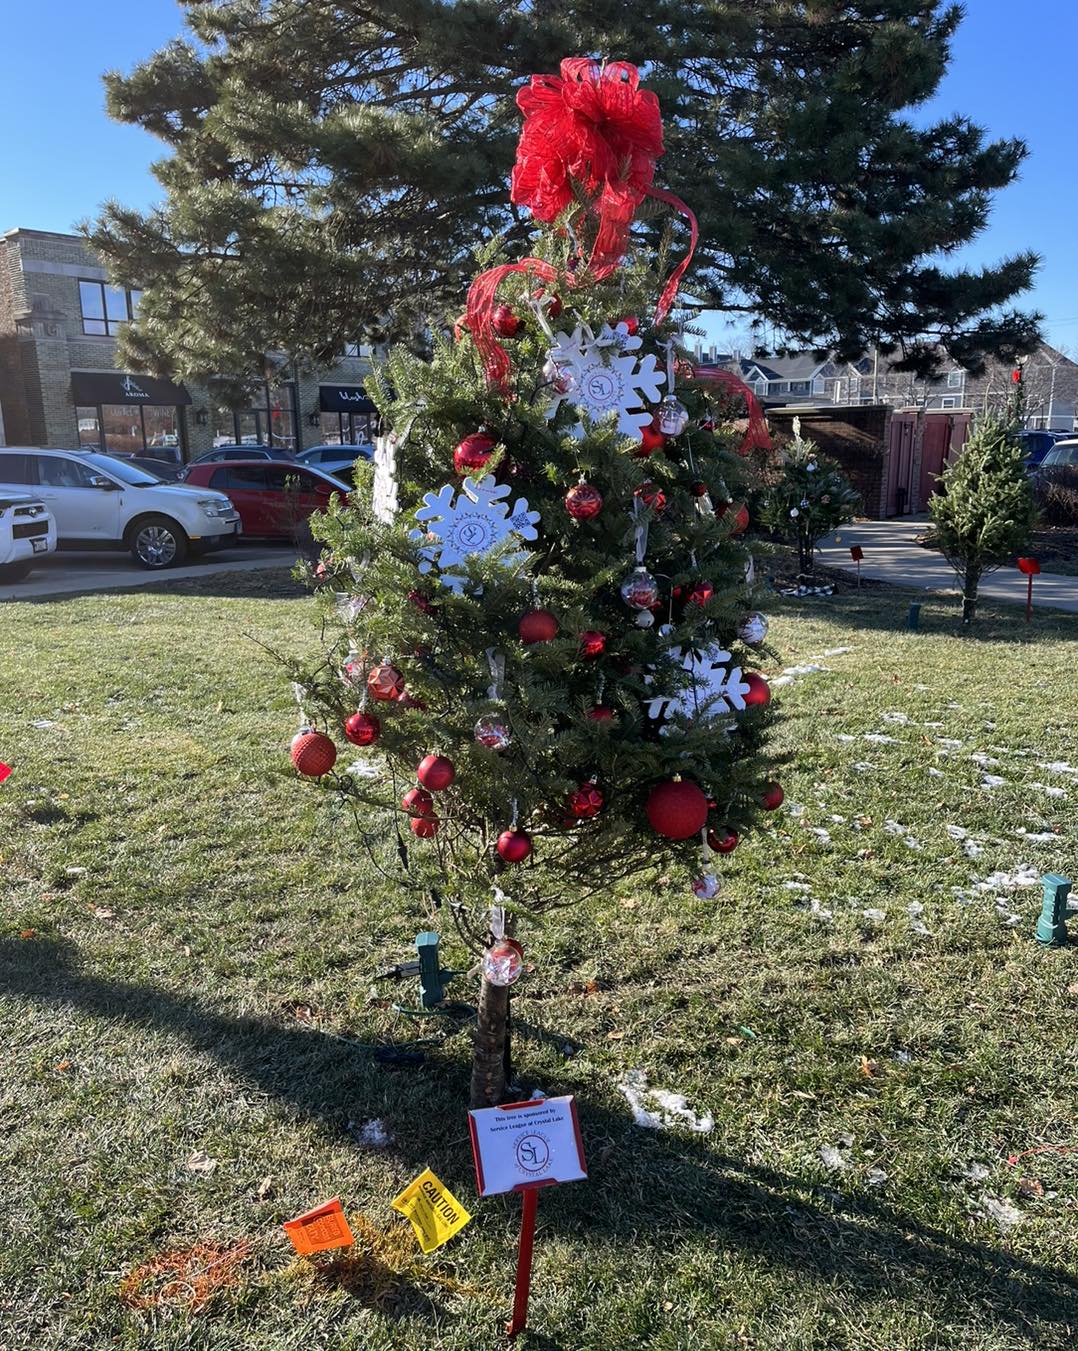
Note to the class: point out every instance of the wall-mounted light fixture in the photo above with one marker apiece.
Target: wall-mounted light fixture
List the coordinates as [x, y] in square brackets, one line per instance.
[314, 419]
[201, 417]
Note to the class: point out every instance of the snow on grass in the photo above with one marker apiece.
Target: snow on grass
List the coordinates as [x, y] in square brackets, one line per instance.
[1049, 790]
[666, 1109]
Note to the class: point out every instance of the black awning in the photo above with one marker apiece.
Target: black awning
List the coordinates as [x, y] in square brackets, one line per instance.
[344, 399]
[92, 387]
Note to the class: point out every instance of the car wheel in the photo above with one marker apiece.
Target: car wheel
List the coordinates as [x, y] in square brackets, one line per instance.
[15, 572]
[156, 542]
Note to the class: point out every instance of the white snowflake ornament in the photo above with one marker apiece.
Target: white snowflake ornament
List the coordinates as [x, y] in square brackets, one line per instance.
[601, 383]
[473, 522]
[716, 687]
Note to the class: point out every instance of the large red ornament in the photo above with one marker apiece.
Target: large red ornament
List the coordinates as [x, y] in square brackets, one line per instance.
[363, 729]
[600, 713]
[514, 846]
[700, 594]
[651, 440]
[418, 802]
[592, 644]
[424, 826]
[651, 496]
[313, 753]
[584, 802]
[723, 841]
[677, 809]
[537, 626]
[583, 502]
[472, 453]
[759, 692]
[385, 682]
[436, 772]
[773, 797]
[506, 323]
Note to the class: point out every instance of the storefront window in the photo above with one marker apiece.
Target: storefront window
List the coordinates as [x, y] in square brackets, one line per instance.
[130, 429]
[89, 429]
[162, 432]
[269, 421]
[122, 427]
[105, 308]
[351, 429]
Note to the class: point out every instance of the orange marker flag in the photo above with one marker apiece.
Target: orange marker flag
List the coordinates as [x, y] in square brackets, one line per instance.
[321, 1228]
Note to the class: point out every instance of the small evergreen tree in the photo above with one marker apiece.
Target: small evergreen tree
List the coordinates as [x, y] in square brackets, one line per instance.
[984, 512]
[810, 498]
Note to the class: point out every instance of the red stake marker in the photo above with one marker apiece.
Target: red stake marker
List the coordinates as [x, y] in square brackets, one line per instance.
[524, 1262]
[1030, 567]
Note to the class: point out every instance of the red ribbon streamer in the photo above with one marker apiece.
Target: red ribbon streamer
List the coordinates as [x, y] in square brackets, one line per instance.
[479, 315]
[757, 436]
[670, 289]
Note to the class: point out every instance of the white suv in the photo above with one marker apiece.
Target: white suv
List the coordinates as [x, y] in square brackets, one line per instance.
[99, 501]
[27, 529]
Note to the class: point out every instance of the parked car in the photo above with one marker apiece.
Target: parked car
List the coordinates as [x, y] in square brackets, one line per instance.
[1037, 445]
[166, 470]
[325, 457]
[27, 531]
[273, 500]
[219, 454]
[1063, 455]
[102, 502]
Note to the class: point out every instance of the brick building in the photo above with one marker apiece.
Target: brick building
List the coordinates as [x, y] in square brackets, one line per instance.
[59, 385]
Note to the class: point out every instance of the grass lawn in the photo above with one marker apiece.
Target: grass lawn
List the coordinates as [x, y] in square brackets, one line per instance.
[191, 1024]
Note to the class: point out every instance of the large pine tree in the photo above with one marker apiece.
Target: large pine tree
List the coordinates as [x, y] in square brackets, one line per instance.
[331, 165]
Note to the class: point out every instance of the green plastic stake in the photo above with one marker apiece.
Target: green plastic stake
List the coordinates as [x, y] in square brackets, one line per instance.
[1052, 925]
[431, 975]
[913, 619]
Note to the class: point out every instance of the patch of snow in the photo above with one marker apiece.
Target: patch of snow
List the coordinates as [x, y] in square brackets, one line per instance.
[373, 1134]
[949, 742]
[875, 1177]
[1001, 1212]
[844, 736]
[1057, 767]
[915, 908]
[895, 827]
[956, 832]
[972, 849]
[838, 820]
[879, 739]
[794, 809]
[673, 1108]
[819, 912]
[824, 836]
[936, 774]
[985, 761]
[1049, 790]
[936, 726]
[797, 886]
[920, 927]
[876, 916]
[992, 781]
[1037, 837]
[835, 651]
[42, 724]
[977, 1172]
[901, 718]
[831, 1157]
[1025, 875]
[863, 766]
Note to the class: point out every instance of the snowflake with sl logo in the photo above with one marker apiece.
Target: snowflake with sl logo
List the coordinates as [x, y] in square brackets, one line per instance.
[716, 686]
[473, 522]
[602, 376]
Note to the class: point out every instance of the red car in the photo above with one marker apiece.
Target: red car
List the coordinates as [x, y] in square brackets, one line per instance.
[273, 499]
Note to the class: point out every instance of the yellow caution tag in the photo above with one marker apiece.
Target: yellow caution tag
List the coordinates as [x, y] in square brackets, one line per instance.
[434, 1211]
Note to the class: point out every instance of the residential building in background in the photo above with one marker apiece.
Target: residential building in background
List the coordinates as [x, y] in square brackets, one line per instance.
[59, 386]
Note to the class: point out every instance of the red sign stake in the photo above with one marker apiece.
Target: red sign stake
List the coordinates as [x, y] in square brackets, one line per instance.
[1030, 568]
[524, 1262]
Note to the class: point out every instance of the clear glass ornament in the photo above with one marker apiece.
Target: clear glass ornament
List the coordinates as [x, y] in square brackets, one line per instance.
[753, 629]
[707, 887]
[794, 513]
[640, 590]
[492, 731]
[673, 416]
[503, 962]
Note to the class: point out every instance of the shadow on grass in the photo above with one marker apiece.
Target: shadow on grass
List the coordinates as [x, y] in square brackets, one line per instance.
[644, 1186]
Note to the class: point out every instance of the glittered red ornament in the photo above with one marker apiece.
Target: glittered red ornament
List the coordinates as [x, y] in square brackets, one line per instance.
[631, 323]
[677, 809]
[583, 502]
[651, 496]
[600, 713]
[363, 729]
[722, 841]
[584, 802]
[385, 682]
[472, 453]
[418, 802]
[592, 644]
[759, 692]
[436, 772]
[504, 322]
[424, 826]
[773, 797]
[651, 440]
[537, 626]
[313, 753]
[514, 846]
[700, 594]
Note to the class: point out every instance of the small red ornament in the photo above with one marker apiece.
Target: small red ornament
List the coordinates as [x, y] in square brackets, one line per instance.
[651, 440]
[514, 846]
[554, 305]
[313, 753]
[652, 497]
[677, 809]
[385, 682]
[421, 602]
[1016, 376]
[363, 729]
[592, 644]
[505, 323]
[759, 692]
[584, 802]
[707, 424]
[723, 841]
[537, 626]
[700, 594]
[436, 772]
[418, 802]
[700, 490]
[600, 713]
[631, 323]
[773, 797]
[472, 453]
[583, 502]
[424, 826]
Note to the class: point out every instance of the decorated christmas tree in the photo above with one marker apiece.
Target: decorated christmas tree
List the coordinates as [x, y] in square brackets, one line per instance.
[544, 606]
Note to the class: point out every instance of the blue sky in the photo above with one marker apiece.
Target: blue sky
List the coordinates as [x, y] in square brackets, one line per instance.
[60, 156]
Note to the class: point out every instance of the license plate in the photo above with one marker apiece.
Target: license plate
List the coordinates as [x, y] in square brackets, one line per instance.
[40, 545]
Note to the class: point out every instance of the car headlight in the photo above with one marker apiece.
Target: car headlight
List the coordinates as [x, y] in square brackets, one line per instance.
[215, 506]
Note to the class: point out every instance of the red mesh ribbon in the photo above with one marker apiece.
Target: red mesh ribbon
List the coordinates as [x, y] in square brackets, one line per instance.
[479, 316]
[670, 289]
[757, 436]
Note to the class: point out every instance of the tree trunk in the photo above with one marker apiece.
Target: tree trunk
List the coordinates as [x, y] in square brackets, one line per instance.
[969, 593]
[491, 1043]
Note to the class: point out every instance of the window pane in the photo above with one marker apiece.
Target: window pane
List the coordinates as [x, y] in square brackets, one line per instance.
[115, 304]
[282, 430]
[247, 429]
[57, 472]
[90, 296]
[123, 429]
[221, 478]
[280, 396]
[89, 428]
[247, 476]
[162, 432]
[135, 298]
[15, 469]
[329, 429]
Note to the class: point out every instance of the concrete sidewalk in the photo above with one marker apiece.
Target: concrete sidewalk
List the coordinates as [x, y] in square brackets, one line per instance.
[893, 555]
[65, 574]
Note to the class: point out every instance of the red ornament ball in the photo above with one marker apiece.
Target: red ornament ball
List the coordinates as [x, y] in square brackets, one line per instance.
[723, 841]
[472, 453]
[424, 826]
[584, 802]
[592, 644]
[700, 489]
[651, 440]
[759, 692]
[773, 797]
[420, 602]
[677, 809]
[418, 802]
[514, 846]
[632, 324]
[506, 323]
[700, 594]
[537, 626]
[313, 753]
[385, 682]
[651, 496]
[600, 713]
[436, 772]
[583, 502]
[363, 729]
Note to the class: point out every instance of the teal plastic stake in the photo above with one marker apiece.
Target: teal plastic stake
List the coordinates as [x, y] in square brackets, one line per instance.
[431, 976]
[1052, 925]
[913, 619]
